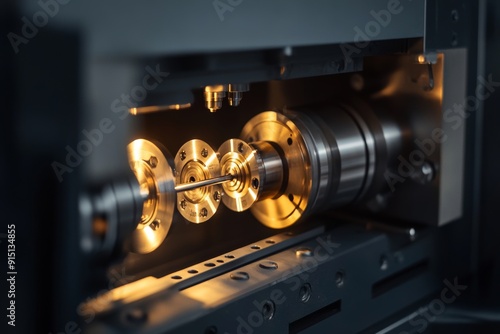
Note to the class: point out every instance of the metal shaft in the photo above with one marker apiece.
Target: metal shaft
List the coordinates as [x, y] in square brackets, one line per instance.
[203, 183]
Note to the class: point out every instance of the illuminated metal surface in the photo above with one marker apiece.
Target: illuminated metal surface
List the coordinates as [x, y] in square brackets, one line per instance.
[214, 95]
[287, 208]
[325, 161]
[203, 183]
[152, 165]
[196, 273]
[151, 109]
[239, 159]
[235, 93]
[197, 161]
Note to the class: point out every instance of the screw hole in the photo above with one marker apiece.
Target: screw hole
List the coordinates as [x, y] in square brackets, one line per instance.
[255, 247]
[268, 310]
[339, 278]
[209, 264]
[193, 271]
[203, 213]
[220, 261]
[290, 197]
[305, 293]
[255, 183]
[182, 155]
[289, 141]
[270, 241]
[176, 277]
[229, 256]
[154, 225]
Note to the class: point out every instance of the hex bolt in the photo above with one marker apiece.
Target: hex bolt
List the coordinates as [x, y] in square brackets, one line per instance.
[204, 152]
[217, 196]
[182, 155]
[183, 204]
[203, 213]
[305, 293]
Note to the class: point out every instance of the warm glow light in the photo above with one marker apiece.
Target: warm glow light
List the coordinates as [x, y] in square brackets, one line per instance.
[150, 109]
[421, 59]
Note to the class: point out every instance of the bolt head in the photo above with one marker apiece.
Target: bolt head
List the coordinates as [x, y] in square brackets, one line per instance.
[153, 161]
[203, 213]
[425, 173]
[182, 155]
[240, 276]
[269, 265]
[255, 183]
[154, 225]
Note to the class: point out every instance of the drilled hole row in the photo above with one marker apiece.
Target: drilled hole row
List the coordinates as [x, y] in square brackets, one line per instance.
[207, 264]
[268, 241]
[212, 264]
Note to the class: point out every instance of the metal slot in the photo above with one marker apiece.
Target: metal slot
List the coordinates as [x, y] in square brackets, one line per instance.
[384, 285]
[311, 319]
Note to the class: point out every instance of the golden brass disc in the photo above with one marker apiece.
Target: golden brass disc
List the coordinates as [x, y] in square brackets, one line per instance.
[240, 160]
[291, 205]
[152, 165]
[196, 161]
